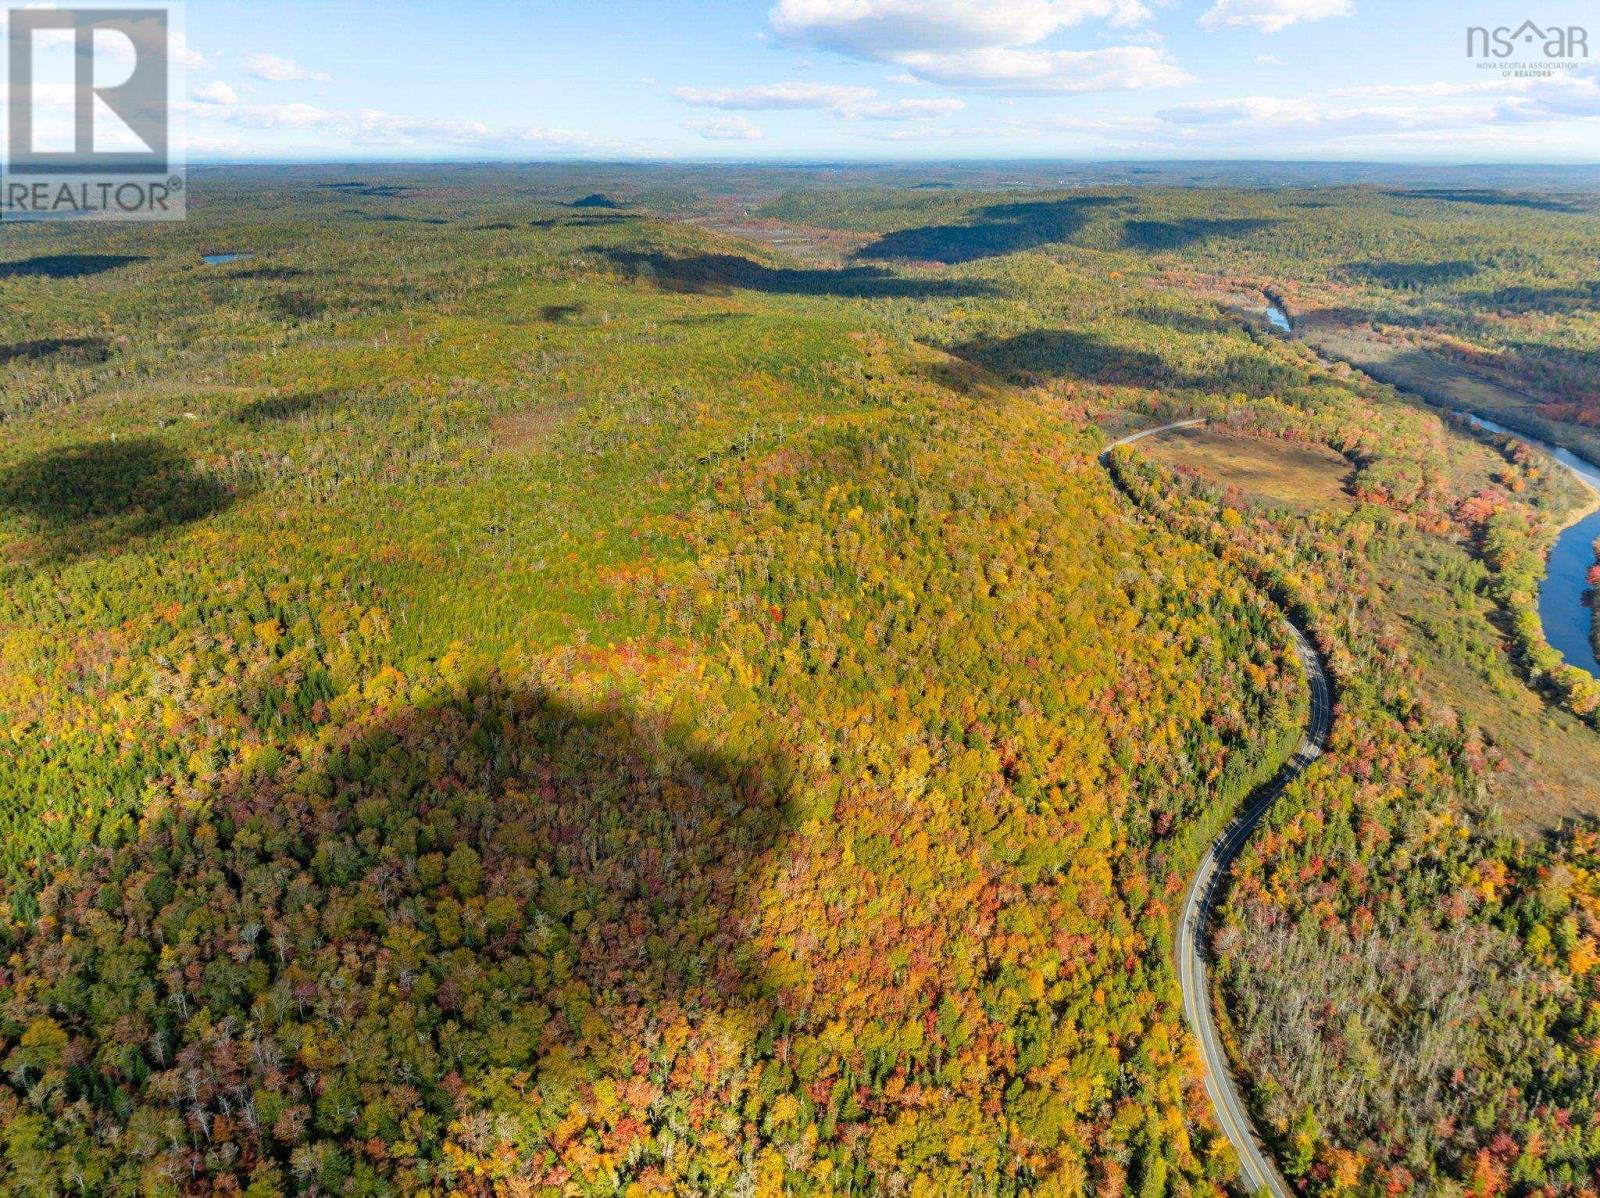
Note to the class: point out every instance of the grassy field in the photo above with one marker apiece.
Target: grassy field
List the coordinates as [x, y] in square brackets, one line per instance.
[1300, 476]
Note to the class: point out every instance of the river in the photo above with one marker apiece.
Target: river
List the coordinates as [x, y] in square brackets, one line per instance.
[1568, 621]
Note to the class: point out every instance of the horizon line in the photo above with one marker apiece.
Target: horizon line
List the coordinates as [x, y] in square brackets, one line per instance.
[806, 160]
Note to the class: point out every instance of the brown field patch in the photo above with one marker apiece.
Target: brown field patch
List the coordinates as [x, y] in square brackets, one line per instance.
[528, 426]
[1305, 476]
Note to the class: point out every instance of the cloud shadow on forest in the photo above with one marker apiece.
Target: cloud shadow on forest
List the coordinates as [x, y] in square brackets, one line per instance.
[1413, 274]
[990, 232]
[357, 187]
[1194, 323]
[720, 274]
[528, 885]
[400, 218]
[1156, 235]
[1039, 355]
[584, 220]
[77, 350]
[100, 496]
[277, 409]
[1488, 198]
[65, 266]
[1523, 298]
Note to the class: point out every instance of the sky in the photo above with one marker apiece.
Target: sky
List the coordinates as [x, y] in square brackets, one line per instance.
[1374, 80]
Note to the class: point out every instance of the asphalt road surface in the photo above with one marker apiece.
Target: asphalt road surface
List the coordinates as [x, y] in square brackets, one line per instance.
[1257, 1168]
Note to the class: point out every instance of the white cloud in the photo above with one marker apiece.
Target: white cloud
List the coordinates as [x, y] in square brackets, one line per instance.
[287, 116]
[1011, 71]
[1102, 126]
[1563, 95]
[216, 92]
[1570, 94]
[1392, 109]
[985, 45]
[919, 133]
[1271, 16]
[276, 69]
[1392, 90]
[1549, 119]
[544, 137]
[1272, 114]
[886, 29]
[184, 54]
[372, 128]
[843, 101]
[725, 128]
[773, 95]
[903, 110]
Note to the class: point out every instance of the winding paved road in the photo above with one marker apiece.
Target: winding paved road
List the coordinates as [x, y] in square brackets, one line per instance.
[1257, 1168]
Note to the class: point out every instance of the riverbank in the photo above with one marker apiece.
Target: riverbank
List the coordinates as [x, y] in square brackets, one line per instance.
[1565, 612]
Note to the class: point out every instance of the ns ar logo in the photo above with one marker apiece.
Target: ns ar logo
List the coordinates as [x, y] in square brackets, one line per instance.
[1553, 41]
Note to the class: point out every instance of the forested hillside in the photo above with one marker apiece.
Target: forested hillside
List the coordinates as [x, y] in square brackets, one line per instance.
[1415, 281]
[505, 695]
[480, 714]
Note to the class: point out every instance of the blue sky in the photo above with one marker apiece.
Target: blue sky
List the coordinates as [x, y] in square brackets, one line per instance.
[882, 79]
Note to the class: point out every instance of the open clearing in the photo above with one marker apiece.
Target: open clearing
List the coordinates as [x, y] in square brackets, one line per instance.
[1553, 758]
[1304, 476]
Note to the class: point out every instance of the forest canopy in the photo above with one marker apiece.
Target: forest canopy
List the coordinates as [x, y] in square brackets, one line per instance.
[559, 682]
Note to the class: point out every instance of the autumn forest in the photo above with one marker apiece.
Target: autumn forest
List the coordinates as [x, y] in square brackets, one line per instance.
[647, 680]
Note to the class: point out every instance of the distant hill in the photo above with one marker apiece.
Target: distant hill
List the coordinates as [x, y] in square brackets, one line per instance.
[596, 200]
